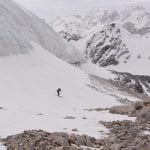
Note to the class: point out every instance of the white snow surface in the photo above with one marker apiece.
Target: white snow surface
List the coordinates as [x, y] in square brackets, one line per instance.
[18, 27]
[28, 96]
[90, 68]
[147, 132]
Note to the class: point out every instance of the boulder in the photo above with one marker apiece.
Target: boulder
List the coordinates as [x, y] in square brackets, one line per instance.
[138, 105]
[146, 103]
[144, 115]
[123, 110]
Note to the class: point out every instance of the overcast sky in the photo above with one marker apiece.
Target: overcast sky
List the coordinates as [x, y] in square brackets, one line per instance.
[49, 9]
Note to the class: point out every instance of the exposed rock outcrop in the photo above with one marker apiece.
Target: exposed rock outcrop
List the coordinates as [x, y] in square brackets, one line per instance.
[123, 110]
[127, 135]
[138, 83]
[41, 140]
[106, 47]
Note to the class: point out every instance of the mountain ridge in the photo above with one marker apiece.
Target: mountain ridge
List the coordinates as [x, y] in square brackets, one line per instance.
[126, 48]
[19, 27]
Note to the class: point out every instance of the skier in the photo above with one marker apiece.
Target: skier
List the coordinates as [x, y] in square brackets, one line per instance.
[58, 91]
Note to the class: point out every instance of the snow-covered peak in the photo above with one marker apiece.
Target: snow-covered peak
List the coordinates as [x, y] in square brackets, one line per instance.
[106, 47]
[80, 25]
[134, 19]
[18, 28]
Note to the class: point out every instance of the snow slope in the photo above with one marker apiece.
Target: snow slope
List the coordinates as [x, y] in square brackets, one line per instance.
[18, 27]
[28, 96]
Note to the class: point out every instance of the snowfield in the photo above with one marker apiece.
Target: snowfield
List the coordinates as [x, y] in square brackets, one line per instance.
[28, 96]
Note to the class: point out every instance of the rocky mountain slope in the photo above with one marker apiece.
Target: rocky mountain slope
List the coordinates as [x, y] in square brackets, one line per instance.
[138, 83]
[19, 27]
[112, 39]
[106, 47]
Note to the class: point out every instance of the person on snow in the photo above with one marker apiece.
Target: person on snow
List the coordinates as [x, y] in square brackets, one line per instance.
[58, 91]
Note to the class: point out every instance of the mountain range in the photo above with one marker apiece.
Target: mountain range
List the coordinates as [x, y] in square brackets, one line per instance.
[117, 40]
